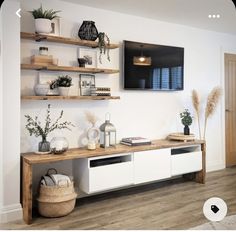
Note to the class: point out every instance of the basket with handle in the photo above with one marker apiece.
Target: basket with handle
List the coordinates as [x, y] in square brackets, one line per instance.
[57, 200]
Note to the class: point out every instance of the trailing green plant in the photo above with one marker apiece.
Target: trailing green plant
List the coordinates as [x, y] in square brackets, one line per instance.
[186, 118]
[35, 127]
[61, 81]
[103, 44]
[45, 14]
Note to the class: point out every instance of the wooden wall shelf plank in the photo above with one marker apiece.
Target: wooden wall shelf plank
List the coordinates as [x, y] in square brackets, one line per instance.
[68, 69]
[64, 40]
[70, 98]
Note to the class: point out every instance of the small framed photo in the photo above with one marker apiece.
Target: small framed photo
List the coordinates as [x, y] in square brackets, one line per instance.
[86, 83]
[90, 56]
[56, 27]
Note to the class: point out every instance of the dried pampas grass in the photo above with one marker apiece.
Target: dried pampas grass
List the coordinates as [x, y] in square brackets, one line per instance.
[212, 102]
[92, 118]
[196, 105]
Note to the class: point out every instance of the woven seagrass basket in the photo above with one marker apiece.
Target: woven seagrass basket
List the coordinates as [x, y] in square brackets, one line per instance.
[56, 201]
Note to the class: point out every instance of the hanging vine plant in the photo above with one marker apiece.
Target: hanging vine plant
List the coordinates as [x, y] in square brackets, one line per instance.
[103, 44]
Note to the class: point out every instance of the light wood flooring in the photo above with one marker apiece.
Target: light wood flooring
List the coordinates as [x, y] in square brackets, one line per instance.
[174, 204]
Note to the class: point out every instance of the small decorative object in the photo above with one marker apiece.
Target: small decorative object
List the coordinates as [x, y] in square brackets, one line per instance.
[186, 120]
[43, 51]
[107, 134]
[43, 19]
[181, 137]
[41, 89]
[212, 102]
[86, 82]
[63, 83]
[53, 88]
[56, 27]
[93, 132]
[35, 128]
[103, 44]
[59, 145]
[44, 60]
[88, 31]
[81, 62]
[90, 57]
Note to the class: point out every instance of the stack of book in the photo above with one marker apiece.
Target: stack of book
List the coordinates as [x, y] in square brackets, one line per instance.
[135, 141]
[100, 91]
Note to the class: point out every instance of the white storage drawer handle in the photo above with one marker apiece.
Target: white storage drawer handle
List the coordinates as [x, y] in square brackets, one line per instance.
[109, 161]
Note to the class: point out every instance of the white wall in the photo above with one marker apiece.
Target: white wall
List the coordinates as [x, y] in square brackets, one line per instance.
[11, 208]
[148, 114]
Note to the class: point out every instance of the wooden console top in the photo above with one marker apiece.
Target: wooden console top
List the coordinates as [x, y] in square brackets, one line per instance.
[76, 153]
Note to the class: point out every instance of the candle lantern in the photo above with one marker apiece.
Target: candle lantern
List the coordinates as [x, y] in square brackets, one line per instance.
[107, 134]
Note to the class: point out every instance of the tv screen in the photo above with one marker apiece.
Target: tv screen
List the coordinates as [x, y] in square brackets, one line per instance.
[153, 67]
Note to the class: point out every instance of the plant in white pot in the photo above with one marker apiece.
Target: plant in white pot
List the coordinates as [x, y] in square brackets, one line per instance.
[63, 83]
[43, 19]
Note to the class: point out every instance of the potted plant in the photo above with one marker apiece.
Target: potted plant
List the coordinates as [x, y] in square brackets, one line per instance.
[35, 127]
[43, 19]
[186, 120]
[103, 44]
[63, 83]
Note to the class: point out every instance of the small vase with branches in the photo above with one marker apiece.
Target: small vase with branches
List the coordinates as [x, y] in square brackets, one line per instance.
[35, 127]
[186, 120]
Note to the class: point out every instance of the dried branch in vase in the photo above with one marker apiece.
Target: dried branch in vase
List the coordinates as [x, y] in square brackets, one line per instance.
[91, 118]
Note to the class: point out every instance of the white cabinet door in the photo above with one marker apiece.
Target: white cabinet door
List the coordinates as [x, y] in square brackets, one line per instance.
[152, 165]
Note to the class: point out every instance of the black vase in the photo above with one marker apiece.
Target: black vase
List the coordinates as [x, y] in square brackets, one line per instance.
[44, 146]
[186, 130]
[88, 31]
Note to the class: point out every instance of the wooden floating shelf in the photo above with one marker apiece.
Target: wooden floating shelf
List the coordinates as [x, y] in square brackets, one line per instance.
[68, 69]
[70, 98]
[64, 40]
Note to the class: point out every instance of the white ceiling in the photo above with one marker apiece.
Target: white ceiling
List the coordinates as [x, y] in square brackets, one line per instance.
[187, 12]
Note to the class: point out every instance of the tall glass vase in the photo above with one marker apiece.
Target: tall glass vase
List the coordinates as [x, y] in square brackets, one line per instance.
[44, 145]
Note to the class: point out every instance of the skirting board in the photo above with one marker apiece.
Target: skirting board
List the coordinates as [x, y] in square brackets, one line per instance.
[10, 213]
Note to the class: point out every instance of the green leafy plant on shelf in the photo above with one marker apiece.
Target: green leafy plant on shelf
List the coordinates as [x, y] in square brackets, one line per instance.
[45, 14]
[186, 120]
[35, 127]
[61, 81]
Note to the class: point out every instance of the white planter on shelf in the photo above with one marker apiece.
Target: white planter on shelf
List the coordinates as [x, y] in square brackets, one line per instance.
[43, 25]
[41, 89]
[63, 91]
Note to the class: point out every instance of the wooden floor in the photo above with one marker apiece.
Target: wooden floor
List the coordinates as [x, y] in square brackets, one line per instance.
[175, 204]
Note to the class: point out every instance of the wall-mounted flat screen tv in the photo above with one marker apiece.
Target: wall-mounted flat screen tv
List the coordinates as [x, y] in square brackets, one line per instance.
[153, 67]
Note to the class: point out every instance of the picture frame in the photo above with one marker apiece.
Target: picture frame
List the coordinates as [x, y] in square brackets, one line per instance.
[56, 27]
[86, 83]
[90, 56]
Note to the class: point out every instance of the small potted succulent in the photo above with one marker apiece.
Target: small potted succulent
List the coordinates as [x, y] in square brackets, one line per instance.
[63, 83]
[43, 19]
[186, 120]
[103, 44]
[34, 126]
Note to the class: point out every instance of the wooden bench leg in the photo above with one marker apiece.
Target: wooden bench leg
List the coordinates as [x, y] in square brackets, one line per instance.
[201, 176]
[27, 192]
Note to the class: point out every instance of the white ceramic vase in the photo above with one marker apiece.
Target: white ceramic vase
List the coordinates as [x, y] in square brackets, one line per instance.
[41, 89]
[63, 91]
[43, 25]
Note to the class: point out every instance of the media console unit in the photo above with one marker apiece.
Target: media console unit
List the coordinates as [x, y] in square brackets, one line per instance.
[123, 166]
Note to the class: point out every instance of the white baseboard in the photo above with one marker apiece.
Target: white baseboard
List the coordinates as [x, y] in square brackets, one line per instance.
[10, 213]
[215, 167]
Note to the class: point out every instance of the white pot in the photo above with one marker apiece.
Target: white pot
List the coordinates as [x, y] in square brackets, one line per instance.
[63, 91]
[41, 89]
[43, 25]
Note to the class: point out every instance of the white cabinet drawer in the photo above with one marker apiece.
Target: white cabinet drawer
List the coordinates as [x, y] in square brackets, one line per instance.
[151, 165]
[186, 163]
[110, 176]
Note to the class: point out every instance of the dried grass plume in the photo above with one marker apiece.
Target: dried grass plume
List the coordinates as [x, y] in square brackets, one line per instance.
[92, 118]
[212, 102]
[196, 105]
